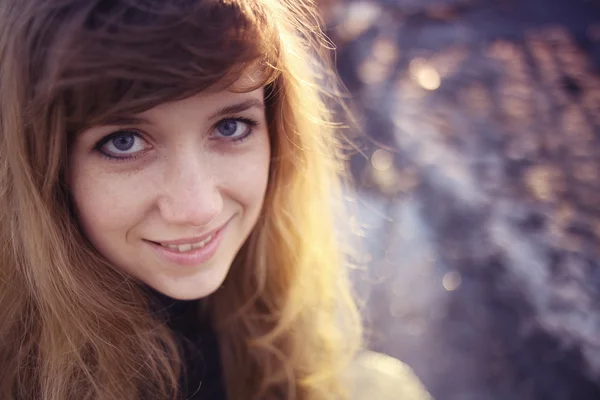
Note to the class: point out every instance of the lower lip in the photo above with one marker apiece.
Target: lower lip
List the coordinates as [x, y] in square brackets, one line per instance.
[193, 257]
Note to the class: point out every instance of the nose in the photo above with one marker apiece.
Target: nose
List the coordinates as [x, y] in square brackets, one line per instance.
[190, 194]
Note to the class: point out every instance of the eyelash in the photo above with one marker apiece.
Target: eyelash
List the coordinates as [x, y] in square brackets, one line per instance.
[248, 121]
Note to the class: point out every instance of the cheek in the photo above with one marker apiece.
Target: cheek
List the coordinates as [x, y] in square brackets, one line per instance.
[104, 203]
[245, 177]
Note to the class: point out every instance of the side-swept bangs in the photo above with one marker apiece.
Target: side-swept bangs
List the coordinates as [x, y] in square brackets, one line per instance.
[105, 57]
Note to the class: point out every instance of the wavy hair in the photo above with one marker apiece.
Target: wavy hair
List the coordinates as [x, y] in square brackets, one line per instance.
[72, 326]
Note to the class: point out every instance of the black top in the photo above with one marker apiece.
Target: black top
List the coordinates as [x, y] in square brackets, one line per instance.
[201, 378]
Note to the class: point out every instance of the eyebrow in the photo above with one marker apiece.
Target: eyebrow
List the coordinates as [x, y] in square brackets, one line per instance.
[228, 110]
[124, 120]
[239, 107]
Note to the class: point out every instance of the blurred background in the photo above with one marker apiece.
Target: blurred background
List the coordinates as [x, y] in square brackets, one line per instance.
[478, 190]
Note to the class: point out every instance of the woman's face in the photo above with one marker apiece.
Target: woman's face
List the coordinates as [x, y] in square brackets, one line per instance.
[171, 194]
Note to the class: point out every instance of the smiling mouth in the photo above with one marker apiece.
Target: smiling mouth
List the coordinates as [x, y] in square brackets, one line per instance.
[191, 244]
[187, 247]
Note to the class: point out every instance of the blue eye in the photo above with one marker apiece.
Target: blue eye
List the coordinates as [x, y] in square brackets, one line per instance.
[235, 128]
[121, 144]
[228, 127]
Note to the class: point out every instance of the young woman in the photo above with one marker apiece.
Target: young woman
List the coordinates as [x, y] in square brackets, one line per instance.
[167, 175]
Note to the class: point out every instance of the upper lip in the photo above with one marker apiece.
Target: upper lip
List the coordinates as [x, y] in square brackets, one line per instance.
[189, 240]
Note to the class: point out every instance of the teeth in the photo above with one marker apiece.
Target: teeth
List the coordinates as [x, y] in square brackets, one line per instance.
[183, 248]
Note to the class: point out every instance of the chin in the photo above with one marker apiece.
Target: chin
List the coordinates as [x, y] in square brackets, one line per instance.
[191, 288]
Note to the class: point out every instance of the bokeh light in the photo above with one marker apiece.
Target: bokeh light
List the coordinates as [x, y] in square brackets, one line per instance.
[425, 74]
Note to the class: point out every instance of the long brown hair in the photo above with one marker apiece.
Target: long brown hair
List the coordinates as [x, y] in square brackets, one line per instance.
[74, 327]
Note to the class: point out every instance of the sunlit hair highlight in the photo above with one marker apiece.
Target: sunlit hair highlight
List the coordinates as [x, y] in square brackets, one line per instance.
[74, 327]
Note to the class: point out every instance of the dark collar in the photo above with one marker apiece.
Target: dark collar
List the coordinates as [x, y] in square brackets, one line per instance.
[202, 377]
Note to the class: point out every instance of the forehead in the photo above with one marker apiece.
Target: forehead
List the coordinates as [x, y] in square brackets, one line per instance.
[251, 78]
[210, 105]
[250, 84]
[241, 95]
